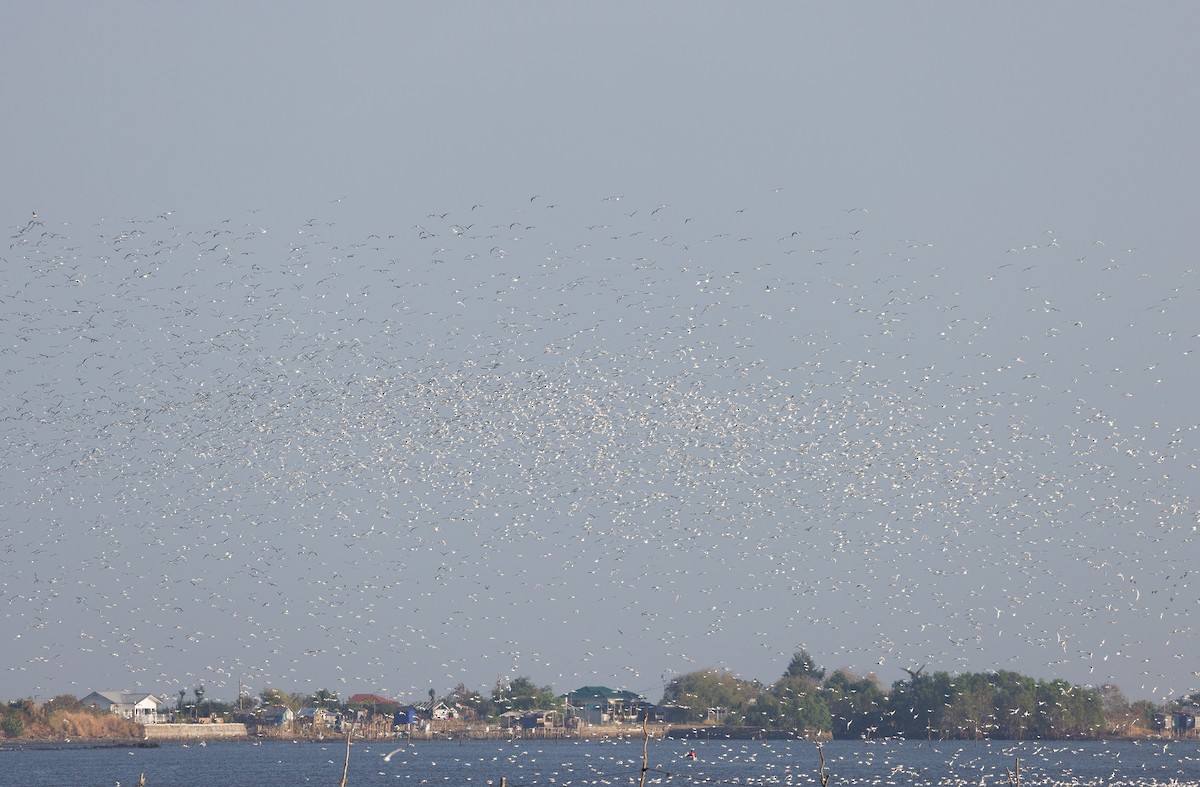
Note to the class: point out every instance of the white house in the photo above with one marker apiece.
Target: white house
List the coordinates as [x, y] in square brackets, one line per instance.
[138, 706]
[436, 710]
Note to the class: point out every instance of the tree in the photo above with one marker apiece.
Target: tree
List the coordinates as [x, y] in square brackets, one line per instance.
[62, 702]
[471, 702]
[281, 698]
[803, 666]
[1143, 711]
[179, 706]
[12, 726]
[916, 707]
[324, 698]
[710, 691]
[795, 701]
[1189, 700]
[1067, 711]
[765, 711]
[855, 705]
[522, 694]
[797, 706]
[1119, 715]
[1016, 702]
[199, 692]
[972, 711]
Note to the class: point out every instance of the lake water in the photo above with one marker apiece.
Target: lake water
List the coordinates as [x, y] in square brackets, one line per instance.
[520, 763]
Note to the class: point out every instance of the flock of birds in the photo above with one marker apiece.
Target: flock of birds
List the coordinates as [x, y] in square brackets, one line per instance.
[767, 762]
[525, 763]
[588, 443]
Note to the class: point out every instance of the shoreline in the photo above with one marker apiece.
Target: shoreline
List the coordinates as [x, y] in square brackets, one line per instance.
[196, 733]
[41, 744]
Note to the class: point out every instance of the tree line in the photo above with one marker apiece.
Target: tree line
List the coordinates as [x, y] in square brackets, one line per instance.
[998, 704]
[937, 704]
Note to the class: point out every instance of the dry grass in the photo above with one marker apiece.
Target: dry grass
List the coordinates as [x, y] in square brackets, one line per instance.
[82, 725]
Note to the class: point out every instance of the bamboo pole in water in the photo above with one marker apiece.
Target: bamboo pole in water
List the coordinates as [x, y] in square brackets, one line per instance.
[645, 751]
[346, 767]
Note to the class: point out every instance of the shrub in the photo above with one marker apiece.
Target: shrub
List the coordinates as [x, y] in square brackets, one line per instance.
[12, 726]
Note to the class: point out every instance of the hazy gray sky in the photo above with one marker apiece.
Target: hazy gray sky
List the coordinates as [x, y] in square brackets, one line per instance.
[387, 347]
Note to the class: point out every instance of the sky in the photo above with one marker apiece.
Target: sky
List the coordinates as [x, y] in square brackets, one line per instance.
[390, 347]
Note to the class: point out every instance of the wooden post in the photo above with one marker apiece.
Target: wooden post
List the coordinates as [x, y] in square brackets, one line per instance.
[346, 767]
[645, 750]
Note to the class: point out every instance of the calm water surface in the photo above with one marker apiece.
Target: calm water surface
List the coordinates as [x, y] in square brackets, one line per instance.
[888, 764]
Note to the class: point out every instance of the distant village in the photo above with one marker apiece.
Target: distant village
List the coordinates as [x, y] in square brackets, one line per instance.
[805, 702]
[373, 715]
[588, 711]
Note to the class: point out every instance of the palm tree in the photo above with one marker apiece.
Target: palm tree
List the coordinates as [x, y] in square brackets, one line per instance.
[323, 698]
[199, 692]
